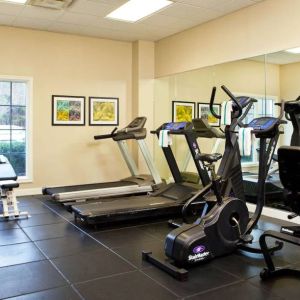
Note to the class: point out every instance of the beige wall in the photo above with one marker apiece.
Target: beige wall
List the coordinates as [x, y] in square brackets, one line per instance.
[69, 65]
[268, 26]
[143, 90]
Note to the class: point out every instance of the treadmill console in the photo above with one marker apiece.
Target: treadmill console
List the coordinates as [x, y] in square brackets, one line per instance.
[177, 127]
[135, 130]
[264, 125]
[244, 101]
[136, 125]
[292, 107]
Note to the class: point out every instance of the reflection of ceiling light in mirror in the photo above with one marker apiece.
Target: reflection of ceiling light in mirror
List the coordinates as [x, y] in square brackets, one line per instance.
[16, 1]
[294, 50]
[134, 10]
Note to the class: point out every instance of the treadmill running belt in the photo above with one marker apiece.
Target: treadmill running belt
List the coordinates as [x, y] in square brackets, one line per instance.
[93, 186]
[121, 205]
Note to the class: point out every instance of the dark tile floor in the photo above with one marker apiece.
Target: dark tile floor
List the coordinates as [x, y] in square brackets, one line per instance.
[48, 257]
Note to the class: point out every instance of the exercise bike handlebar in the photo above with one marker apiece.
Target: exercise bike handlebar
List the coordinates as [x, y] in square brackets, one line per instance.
[106, 136]
[211, 103]
[233, 98]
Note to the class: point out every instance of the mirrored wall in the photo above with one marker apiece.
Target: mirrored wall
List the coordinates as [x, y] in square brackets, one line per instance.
[268, 78]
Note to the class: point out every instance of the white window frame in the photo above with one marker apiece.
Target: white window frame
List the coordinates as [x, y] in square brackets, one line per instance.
[29, 124]
[254, 163]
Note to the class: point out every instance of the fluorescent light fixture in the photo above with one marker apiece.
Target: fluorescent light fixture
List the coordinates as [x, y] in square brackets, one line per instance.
[134, 10]
[16, 1]
[294, 50]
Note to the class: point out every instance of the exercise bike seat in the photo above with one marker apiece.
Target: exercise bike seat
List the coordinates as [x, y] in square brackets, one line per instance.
[209, 158]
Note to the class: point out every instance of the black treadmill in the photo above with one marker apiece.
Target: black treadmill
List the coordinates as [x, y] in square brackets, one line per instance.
[168, 200]
[274, 189]
[135, 184]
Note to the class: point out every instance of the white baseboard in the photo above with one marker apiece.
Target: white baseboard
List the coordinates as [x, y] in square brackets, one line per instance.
[274, 213]
[28, 192]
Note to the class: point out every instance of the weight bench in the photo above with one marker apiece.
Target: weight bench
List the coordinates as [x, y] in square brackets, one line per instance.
[8, 183]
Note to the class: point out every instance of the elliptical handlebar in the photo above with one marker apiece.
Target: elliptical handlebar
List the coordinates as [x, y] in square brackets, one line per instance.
[281, 104]
[243, 116]
[211, 103]
[233, 98]
[287, 116]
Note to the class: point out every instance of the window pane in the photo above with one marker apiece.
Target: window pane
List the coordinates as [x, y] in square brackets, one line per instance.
[4, 93]
[4, 147]
[19, 93]
[4, 117]
[18, 117]
[18, 135]
[18, 147]
[5, 135]
[269, 107]
[18, 161]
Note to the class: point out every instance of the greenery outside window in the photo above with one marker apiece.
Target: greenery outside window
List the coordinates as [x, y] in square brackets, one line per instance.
[14, 124]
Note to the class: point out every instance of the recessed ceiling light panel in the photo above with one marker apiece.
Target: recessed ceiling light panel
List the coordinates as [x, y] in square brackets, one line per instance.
[294, 50]
[16, 1]
[134, 10]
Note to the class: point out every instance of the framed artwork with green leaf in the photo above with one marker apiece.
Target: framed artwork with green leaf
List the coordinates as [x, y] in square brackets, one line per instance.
[183, 111]
[68, 110]
[103, 111]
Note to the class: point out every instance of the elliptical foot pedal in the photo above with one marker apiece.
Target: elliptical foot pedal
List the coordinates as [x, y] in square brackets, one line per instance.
[178, 273]
[278, 246]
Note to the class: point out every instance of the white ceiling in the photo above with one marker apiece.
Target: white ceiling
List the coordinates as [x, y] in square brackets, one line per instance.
[86, 17]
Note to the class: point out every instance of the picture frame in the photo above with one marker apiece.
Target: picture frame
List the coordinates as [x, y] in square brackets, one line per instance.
[204, 113]
[103, 111]
[68, 110]
[183, 111]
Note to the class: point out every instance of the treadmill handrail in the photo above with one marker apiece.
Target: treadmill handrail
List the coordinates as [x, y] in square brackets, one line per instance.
[106, 136]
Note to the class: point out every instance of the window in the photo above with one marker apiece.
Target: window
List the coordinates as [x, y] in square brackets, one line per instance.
[14, 124]
[263, 107]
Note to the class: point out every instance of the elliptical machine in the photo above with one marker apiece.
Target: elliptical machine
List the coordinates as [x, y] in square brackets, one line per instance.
[230, 170]
[227, 226]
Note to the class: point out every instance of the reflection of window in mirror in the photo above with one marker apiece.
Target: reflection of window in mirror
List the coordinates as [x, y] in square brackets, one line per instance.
[263, 107]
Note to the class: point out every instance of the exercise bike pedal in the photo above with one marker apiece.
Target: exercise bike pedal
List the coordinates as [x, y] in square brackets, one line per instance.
[246, 238]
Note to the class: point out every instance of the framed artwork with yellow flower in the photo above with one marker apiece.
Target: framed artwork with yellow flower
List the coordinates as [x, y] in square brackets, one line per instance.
[183, 111]
[103, 111]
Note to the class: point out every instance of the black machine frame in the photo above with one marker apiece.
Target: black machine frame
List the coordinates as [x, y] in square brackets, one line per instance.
[174, 268]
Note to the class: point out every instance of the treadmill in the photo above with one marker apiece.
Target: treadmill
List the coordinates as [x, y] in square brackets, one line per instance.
[135, 184]
[274, 188]
[167, 200]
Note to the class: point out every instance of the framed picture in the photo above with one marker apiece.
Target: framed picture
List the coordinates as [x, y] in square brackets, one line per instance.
[204, 113]
[68, 110]
[183, 111]
[104, 111]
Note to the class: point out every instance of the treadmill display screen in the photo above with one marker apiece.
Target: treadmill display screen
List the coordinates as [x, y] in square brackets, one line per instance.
[262, 123]
[174, 126]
